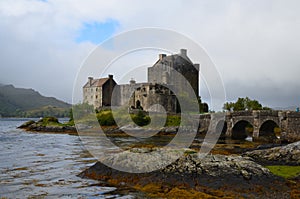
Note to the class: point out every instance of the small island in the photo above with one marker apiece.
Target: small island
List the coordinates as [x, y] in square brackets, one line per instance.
[49, 125]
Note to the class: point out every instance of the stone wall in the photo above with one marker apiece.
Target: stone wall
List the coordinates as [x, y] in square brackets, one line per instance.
[154, 98]
[92, 96]
[291, 126]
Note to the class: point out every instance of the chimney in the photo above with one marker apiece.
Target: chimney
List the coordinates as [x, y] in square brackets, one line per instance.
[197, 66]
[132, 81]
[183, 52]
[90, 80]
[161, 56]
[110, 76]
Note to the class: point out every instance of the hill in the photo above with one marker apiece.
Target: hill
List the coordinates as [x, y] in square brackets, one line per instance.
[290, 108]
[19, 102]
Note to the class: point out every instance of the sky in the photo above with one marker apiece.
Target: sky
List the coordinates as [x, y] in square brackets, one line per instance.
[254, 45]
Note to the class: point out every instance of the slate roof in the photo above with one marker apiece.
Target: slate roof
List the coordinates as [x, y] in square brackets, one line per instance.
[96, 82]
[175, 59]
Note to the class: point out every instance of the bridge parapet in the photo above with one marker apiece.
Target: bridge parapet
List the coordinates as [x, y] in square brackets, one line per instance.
[269, 113]
[292, 114]
[205, 116]
[241, 113]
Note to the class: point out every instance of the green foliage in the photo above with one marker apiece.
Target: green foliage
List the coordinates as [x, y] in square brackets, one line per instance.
[71, 120]
[46, 121]
[173, 120]
[141, 119]
[228, 106]
[244, 104]
[203, 107]
[285, 171]
[266, 108]
[105, 118]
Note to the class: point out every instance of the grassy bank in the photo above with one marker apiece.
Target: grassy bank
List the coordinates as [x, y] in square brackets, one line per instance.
[285, 171]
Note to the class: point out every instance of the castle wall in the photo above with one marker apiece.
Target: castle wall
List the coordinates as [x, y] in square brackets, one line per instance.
[92, 96]
[147, 96]
[107, 91]
[126, 93]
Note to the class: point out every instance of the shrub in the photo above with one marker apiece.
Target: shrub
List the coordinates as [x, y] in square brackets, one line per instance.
[105, 118]
[141, 118]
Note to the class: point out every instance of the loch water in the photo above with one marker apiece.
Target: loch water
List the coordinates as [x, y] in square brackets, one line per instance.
[41, 165]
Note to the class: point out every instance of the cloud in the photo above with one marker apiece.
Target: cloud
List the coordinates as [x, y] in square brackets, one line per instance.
[254, 44]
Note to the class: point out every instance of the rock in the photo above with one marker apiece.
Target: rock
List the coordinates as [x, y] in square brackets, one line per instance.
[191, 172]
[48, 124]
[289, 154]
[26, 124]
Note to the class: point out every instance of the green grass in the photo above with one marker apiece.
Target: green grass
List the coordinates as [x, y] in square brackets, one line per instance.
[285, 171]
[107, 118]
[173, 120]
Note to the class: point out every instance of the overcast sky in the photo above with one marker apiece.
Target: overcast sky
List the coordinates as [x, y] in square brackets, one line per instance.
[255, 45]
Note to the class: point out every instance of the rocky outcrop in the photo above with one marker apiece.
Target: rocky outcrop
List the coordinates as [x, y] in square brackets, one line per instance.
[219, 166]
[217, 172]
[289, 154]
[48, 124]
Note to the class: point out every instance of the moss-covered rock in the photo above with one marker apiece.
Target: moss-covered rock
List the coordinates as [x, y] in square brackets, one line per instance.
[289, 154]
[49, 124]
[211, 177]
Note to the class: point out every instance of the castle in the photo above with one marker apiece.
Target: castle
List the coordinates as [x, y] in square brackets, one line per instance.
[169, 73]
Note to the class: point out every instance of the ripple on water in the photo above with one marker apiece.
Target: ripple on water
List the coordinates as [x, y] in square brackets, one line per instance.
[44, 165]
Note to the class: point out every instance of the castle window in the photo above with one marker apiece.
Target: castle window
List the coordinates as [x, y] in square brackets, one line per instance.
[96, 96]
[96, 90]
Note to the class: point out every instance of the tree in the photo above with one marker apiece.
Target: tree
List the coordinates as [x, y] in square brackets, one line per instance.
[228, 106]
[240, 104]
[244, 104]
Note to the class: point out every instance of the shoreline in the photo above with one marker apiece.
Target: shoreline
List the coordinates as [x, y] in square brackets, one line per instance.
[180, 182]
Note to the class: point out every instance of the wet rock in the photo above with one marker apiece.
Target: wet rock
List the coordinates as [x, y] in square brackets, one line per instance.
[289, 154]
[192, 172]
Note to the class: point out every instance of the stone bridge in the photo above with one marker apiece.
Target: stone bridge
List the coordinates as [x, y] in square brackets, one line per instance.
[256, 124]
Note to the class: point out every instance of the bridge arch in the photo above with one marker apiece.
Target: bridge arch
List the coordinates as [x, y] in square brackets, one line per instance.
[222, 127]
[267, 130]
[241, 130]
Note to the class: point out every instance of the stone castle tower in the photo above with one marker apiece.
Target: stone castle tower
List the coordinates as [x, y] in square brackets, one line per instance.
[166, 70]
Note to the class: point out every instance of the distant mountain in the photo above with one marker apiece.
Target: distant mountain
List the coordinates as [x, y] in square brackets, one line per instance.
[19, 101]
[290, 108]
